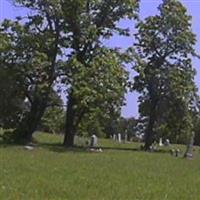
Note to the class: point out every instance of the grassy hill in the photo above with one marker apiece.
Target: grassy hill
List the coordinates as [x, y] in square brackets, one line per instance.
[120, 172]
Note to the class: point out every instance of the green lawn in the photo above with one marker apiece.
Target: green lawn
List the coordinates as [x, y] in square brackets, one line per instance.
[50, 172]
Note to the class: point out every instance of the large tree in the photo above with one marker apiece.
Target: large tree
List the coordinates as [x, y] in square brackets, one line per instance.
[165, 80]
[35, 45]
[98, 91]
[89, 22]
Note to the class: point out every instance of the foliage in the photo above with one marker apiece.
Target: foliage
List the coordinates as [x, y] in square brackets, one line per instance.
[12, 97]
[127, 126]
[165, 77]
[124, 126]
[54, 116]
[99, 90]
[89, 23]
[34, 46]
[53, 120]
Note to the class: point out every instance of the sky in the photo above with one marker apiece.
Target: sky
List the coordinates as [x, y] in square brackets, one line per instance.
[147, 8]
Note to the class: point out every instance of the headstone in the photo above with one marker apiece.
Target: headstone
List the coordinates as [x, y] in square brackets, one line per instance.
[99, 150]
[119, 138]
[93, 141]
[189, 151]
[151, 148]
[125, 138]
[167, 142]
[27, 147]
[114, 137]
[160, 142]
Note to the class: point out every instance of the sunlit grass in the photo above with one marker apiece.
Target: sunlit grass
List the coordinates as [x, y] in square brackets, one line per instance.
[50, 172]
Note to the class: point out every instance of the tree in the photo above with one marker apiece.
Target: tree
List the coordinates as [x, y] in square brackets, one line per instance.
[35, 42]
[89, 22]
[98, 91]
[165, 77]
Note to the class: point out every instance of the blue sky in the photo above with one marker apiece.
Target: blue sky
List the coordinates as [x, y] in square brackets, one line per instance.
[147, 8]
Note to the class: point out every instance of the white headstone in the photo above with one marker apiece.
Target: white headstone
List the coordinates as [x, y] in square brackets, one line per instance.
[125, 138]
[27, 147]
[93, 142]
[119, 138]
[114, 137]
[167, 142]
[160, 142]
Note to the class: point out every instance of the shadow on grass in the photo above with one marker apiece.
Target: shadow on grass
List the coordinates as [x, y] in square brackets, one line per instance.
[56, 147]
[4, 144]
[134, 149]
[59, 148]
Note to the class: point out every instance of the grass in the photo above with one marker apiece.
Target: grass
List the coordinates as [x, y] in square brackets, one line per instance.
[51, 172]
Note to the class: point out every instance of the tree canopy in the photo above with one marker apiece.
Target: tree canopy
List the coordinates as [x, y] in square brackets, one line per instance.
[165, 80]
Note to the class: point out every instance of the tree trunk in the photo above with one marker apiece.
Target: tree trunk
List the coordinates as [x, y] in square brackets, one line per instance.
[149, 134]
[69, 125]
[189, 150]
[25, 130]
